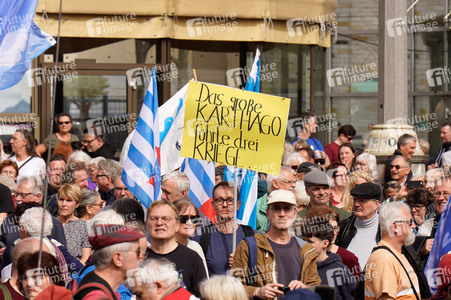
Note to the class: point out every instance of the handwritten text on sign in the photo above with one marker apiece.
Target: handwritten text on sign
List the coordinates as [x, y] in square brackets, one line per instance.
[234, 127]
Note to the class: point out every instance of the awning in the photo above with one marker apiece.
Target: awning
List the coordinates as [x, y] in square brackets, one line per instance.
[293, 22]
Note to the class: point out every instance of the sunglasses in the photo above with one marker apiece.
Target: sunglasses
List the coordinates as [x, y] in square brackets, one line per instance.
[397, 167]
[184, 219]
[66, 123]
[392, 186]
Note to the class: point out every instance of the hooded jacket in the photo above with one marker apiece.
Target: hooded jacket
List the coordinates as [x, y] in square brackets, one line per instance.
[267, 266]
[332, 269]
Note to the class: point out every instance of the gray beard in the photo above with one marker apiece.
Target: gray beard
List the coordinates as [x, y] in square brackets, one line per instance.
[410, 239]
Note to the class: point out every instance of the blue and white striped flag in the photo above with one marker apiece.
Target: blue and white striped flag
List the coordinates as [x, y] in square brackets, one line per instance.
[21, 40]
[141, 174]
[247, 179]
[201, 176]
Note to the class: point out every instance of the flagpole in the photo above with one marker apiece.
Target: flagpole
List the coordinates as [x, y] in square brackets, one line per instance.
[52, 112]
[235, 200]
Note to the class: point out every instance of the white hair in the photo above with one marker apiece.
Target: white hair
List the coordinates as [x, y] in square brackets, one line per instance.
[107, 217]
[270, 178]
[390, 212]
[153, 270]
[370, 159]
[301, 195]
[36, 187]
[104, 256]
[294, 156]
[79, 156]
[95, 161]
[32, 220]
[222, 287]
[181, 180]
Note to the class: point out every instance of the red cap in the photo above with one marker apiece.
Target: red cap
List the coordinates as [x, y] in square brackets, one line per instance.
[107, 235]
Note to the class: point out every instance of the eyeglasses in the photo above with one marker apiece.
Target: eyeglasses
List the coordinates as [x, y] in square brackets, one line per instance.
[164, 219]
[101, 175]
[185, 218]
[23, 195]
[336, 228]
[350, 138]
[101, 204]
[290, 182]
[439, 194]
[88, 142]
[397, 167]
[295, 167]
[278, 209]
[416, 207]
[408, 222]
[66, 123]
[221, 201]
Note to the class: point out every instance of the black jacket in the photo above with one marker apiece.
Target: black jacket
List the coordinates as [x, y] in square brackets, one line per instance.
[387, 173]
[348, 232]
[106, 151]
[420, 240]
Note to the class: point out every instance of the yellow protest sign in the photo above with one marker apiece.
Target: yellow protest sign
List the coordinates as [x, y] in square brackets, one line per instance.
[234, 127]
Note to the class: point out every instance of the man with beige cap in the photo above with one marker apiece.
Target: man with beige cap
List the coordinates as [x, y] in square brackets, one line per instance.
[284, 262]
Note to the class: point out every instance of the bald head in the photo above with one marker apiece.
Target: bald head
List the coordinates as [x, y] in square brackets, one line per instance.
[29, 245]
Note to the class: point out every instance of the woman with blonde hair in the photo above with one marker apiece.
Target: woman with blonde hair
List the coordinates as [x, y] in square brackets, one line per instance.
[222, 287]
[354, 179]
[75, 230]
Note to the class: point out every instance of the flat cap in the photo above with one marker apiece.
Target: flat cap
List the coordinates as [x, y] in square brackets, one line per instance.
[281, 196]
[316, 177]
[367, 190]
[107, 235]
[306, 167]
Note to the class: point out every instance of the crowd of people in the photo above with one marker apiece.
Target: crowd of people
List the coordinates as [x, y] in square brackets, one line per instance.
[331, 225]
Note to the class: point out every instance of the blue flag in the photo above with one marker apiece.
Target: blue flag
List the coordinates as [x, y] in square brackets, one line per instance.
[441, 246]
[20, 40]
[141, 174]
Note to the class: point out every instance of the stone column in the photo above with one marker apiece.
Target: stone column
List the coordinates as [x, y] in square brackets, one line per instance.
[392, 61]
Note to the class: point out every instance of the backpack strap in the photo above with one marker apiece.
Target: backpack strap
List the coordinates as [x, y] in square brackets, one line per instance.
[6, 293]
[410, 280]
[252, 263]
[96, 286]
[248, 231]
[205, 238]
